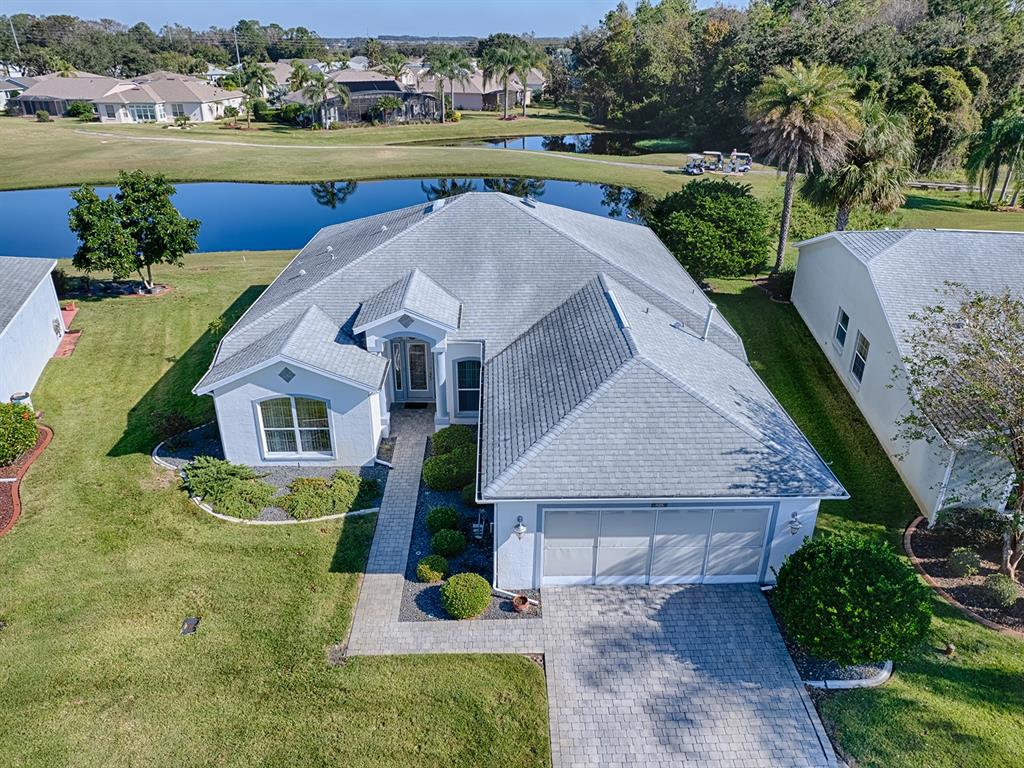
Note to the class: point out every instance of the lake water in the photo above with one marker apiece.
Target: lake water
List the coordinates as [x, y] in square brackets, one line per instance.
[580, 143]
[239, 217]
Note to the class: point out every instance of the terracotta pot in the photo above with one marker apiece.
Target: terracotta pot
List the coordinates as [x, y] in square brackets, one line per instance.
[520, 603]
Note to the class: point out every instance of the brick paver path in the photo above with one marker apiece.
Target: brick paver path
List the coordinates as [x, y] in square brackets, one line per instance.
[636, 676]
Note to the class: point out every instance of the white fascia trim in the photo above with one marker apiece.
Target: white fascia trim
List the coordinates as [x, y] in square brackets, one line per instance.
[274, 361]
[395, 315]
[659, 499]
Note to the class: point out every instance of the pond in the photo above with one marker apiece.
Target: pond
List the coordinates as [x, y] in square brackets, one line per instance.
[580, 143]
[240, 217]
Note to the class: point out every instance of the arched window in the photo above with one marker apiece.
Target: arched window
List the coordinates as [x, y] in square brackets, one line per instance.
[467, 374]
[295, 425]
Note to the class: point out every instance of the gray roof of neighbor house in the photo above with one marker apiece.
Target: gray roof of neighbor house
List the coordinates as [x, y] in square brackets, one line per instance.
[910, 268]
[415, 293]
[81, 87]
[476, 83]
[19, 277]
[608, 396]
[170, 86]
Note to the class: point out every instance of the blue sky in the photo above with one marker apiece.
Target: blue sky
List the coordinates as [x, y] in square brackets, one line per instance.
[343, 17]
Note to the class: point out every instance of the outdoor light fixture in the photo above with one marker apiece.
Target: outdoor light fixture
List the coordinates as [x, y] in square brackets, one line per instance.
[794, 524]
[520, 528]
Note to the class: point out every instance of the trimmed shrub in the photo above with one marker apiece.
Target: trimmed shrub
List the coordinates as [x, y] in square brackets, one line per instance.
[448, 439]
[450, 471]
[310, 497]
[1001, 590]
[964, 562]
[447, 543]
[82, 110]
[782, 283]
[230, 111]
[466, 595]
[42, 116]
[431, 568]
[442, 518]
[978, 526]
[851, 600]
[233, 489]
[468, 495]
[18, 432]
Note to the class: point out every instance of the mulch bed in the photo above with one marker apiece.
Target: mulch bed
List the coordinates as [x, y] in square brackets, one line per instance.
[10, 499]
[930, 550]
[83, 288]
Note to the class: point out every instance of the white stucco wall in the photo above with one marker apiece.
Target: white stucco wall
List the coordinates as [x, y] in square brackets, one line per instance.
[29, 341]
[517, 563]
[827, 277]
[354, 417]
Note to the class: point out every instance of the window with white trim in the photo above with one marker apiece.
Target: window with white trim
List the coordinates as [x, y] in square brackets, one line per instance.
[860, 357]
[295, 425]
[111, 111]
[467, 380]
[842, 328]
[142, 113]
[177, 110]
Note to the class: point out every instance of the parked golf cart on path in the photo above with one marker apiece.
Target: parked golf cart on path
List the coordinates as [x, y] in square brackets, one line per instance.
[695, 167]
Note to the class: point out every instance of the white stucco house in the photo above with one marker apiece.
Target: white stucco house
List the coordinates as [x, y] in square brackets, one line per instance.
[30, 322]
[619, 420]
[856, 291]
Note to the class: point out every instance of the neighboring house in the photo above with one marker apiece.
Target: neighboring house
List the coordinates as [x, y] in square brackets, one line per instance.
[366, 88]
[620, 423]
[358, 62]
[30, 322]
[12, 86]
[478, 93]
[215, 74]
[856, 291]
[536, 82]
[156, 97]
[283, 68]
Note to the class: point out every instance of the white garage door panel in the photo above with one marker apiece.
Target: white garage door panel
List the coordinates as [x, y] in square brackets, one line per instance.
[570, 539]
[737, 544]
[571, 527]
[569, 565]
[624, 546]
[680, 545]
[679, 565]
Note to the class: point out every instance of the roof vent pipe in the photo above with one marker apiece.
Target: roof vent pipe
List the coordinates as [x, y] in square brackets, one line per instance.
[707, 321]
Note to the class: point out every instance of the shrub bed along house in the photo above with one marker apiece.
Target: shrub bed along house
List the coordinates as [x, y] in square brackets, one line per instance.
[18, 432]
[452, 464]
[447, 542]
[964, 562]
[466, 595]
[1001, 590]
[440, 518]
[431, 568]
[851, 600]
[311, 497]
[233, 489]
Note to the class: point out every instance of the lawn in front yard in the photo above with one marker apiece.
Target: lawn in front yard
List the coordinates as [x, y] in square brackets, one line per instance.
[109, 557]
[936, 712]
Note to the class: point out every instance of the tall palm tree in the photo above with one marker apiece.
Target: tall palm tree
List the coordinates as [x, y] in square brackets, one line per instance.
[440, 65]
[532, 58]
[461, 70]
[499, 65]
[315, 92]
[256, 81]
[1000, 142]
[394, 65]
[338, 90]
[299, 76]
[802, 117]
[875, 171]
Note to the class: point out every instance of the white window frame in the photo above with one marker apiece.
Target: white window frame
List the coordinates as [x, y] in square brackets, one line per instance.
[863, 359]
[110, 110]
[268, 454]
[177, 110]
[478, 389]
[150, 109]
[841, 343]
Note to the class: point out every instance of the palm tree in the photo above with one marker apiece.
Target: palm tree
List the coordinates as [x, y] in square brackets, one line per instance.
[63, 68]
[299, 76]
[516, 186]
[1000, 142]
[461, 70]
[340, 91]
[333, 193]
[256, 81]
[499, 65]
[533, 58]
[447, 188]
[875, 170]
[387, 106]
[315, 92]
[803, 117]
[441, 65]
[393, 65]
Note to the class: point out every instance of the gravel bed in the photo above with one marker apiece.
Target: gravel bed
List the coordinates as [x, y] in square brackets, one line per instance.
[812, 668]
[422, 602]
[205, 441]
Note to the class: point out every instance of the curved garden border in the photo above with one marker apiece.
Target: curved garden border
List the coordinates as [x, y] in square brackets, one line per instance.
[155, 455]
[868, 682]
[908, 546]
[12, 485]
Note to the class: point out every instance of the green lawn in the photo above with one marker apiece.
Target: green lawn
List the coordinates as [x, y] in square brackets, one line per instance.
[964, 712]
[110, 556]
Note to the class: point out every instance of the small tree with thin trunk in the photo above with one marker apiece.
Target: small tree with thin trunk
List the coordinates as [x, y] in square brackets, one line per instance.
[131, 231]
[965, 382]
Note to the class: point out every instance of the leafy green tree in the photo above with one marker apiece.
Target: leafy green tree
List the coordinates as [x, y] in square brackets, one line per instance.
[875, 171]
[940, 106]
[374, 51]
[499, 65]
[715, 228]
[803, 117]
[131, 231]
[257, 81]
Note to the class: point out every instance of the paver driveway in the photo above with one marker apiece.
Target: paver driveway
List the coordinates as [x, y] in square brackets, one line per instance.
[674, 676]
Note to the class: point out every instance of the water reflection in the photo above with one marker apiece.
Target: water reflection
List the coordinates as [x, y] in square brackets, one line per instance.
[333, 193]
[516, 186]
[435, 190]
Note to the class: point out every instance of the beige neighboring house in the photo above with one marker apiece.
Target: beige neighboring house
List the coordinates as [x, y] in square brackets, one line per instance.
[156, 97]
[478, 93]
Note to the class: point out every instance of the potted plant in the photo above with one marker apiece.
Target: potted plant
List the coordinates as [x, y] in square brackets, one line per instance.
[521, 603]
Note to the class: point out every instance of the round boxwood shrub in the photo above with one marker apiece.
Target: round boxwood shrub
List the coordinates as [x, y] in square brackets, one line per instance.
[468, 495]
[447, 542]
[431, 568]
[450, 471]
[18, 432]
[440, 518]
[963, 562]
[448, 439]
[851, 600]
[1001, 590]
[466, 595]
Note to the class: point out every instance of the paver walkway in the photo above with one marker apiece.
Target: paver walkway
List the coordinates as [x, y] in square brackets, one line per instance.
[636, 676]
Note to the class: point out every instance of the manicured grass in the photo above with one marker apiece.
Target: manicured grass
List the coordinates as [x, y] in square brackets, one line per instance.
[109, 557]
[960, 712]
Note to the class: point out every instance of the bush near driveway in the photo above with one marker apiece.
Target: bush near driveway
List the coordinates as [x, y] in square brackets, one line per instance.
[447, 542]
[18, 432]
[448, 439]
[431, 568]
[451, 471]
[466, 595]
[1001, 590]
[232, 489]
[440, 518]
[311, 497]
[852, 600]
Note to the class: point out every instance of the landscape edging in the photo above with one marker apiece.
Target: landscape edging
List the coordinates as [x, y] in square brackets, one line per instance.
[46, 433]
[916, 562]
[868, 682]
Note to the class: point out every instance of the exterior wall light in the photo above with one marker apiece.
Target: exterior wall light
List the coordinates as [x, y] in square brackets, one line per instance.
[794, 524]
[520, 528]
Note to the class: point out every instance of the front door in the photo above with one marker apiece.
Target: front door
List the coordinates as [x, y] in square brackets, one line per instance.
[411, 371]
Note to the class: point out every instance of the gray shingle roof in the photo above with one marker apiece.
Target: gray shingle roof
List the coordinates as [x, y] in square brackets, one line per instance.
[19, 277]
[415, 293]
[589, 403]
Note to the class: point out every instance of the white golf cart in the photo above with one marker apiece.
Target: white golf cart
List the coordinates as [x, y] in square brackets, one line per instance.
[695, 165]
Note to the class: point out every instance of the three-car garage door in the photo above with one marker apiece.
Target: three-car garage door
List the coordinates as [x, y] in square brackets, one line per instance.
[654, 545]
